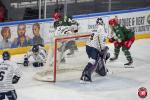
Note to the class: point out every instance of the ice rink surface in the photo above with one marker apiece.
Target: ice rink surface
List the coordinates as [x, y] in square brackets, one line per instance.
[121, 84]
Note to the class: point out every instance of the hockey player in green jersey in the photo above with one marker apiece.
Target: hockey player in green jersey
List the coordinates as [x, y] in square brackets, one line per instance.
[63, 21]
[122, 38]
[67, 27]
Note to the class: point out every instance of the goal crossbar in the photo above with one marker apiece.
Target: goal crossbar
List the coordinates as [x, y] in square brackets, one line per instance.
[53, 65]
[55, 49]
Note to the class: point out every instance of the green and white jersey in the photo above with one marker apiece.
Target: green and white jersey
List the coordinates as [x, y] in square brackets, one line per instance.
[121, 33]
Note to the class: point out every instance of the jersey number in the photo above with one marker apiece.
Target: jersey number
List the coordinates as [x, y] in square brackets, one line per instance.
[2, 75]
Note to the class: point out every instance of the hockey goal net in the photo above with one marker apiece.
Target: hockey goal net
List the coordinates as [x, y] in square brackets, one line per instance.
[66, 59]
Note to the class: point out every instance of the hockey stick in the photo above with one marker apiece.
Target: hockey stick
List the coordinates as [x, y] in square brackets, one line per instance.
[23, 63]
[20, 63]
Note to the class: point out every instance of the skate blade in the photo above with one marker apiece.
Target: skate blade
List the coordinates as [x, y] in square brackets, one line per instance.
[109, 72]
[70, 56]
[128, 66]
[112, 61]
[84, 82]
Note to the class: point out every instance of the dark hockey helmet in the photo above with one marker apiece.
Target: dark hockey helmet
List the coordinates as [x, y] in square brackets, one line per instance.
[99, 21]
[35, 48]
[6, 55]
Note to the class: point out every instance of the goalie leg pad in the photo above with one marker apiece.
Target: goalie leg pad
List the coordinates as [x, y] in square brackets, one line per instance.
[101, 71]
[104, 53]
[100, 67]
[87, 72]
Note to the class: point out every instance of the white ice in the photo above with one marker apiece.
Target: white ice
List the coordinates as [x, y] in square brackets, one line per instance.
[121, 84]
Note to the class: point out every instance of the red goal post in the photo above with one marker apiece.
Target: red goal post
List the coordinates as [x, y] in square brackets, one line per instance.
[50, 75]
[55, 48]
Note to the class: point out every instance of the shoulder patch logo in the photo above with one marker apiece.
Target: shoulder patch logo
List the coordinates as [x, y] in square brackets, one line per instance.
[148, 19]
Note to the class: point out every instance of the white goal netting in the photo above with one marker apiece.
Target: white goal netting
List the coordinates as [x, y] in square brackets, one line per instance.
[66, 59]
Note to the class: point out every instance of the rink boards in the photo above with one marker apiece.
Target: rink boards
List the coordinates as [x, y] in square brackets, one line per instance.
[136, 19]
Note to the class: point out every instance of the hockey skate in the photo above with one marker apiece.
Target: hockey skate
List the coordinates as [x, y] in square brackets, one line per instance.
[76, 48]
[85, 79]
[113, 58]
[63, 60]
[86, 75]
[70, 53]
[129, 64]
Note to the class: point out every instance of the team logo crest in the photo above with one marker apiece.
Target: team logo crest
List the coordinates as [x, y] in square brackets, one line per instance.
[148, 19]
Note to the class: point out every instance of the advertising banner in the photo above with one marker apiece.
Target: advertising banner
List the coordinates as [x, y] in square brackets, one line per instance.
[27, 33]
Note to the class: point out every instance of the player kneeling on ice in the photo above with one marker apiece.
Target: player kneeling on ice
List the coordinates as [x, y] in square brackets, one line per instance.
[97, 53]
[122, 38]
[39, 55]
[9, 75]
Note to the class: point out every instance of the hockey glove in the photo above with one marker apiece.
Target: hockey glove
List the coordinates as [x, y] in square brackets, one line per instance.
[104, 52]
[111, 40]
[26, 62]
[15, 79]
[36, 64]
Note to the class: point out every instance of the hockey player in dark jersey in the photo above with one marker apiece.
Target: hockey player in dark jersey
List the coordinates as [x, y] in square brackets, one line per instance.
[97, 53]
[122, 38]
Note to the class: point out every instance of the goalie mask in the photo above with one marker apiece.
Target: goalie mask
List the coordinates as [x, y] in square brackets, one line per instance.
[99, 21]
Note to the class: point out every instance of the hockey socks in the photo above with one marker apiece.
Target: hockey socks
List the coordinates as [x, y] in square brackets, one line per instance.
[116, 50]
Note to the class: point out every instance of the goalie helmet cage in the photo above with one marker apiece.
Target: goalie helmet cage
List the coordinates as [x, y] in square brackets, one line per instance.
[53, 76]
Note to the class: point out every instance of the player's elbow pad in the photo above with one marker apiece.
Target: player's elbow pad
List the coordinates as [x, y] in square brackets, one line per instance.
[15, 79]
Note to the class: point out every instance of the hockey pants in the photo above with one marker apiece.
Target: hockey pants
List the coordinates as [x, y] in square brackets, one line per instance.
[11, 95]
